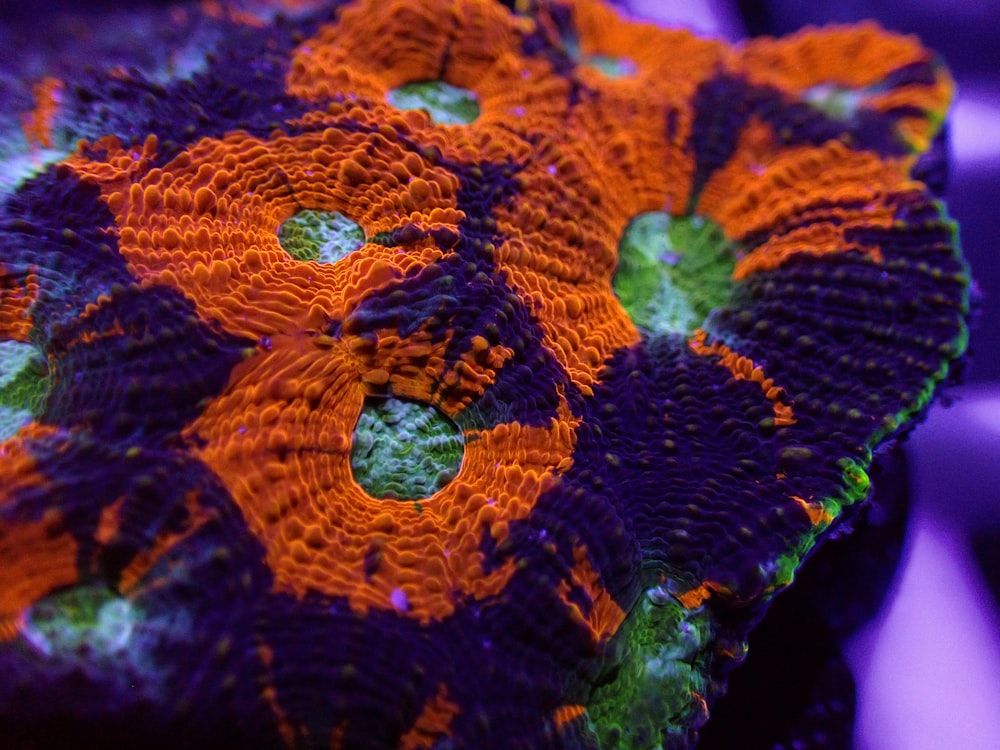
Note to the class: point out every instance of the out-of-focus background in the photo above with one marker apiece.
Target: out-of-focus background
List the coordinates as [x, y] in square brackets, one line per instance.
[928, 666]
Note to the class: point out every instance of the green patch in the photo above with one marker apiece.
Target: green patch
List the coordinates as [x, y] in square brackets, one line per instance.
[91, 632]
[81, 619]
[612, 67]
[321, 236]
[656, 696]
[404, 450]
[23, 385]
[673, 271]
[834, 101]
[446, 104]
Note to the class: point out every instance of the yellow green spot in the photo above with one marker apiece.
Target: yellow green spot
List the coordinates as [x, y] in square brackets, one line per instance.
[446, 104]
[23, 385]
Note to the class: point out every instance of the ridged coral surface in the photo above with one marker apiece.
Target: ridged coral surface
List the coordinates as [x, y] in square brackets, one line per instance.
[251, 299]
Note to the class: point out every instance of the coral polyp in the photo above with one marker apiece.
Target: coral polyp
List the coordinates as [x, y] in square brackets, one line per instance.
[432, 374]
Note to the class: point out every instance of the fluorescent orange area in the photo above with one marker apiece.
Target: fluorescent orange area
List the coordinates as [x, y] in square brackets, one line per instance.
[416, 366]
[605, 615]
[108, 524]
[231, 11]
[560, 254]
[18, 468]
[37, 557]
[803, 201]
[137, 571]
[645, 111]
[664, 57]
[111, 164]
[15, 301]
[468, 44]
[694, 598]
[432, 725]
[565, 714]
[563, 231]
[854, 57]
[208, 222]
[270, 696]
[256, 13]
[818, 515]
[279, 438]
[37, 124]
[743, 368]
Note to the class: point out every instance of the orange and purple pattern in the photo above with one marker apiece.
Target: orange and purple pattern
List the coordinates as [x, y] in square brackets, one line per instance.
[188, 555]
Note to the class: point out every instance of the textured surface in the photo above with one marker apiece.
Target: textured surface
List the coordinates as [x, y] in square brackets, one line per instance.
[217, 288]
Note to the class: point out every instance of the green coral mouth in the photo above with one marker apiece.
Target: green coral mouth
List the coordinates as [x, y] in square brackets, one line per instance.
[672, 271]
[321, 236]
[446, 104]
[404, 450]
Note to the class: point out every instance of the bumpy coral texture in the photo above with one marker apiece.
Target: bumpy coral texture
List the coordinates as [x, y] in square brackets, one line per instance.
[190, 551]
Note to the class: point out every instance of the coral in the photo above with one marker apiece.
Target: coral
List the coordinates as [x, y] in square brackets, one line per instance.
[434, 374]
[404, 450]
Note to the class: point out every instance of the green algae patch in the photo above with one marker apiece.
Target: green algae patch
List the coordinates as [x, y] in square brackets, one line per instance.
[672, 271]
[446, 104]
[658, 693]
[23, 385]
[404, 450]
[321, 236]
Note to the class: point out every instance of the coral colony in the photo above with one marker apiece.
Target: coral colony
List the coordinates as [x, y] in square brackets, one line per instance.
[436, 374]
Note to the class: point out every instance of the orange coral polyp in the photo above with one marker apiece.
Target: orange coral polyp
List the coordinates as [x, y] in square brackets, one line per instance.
[666, 58]
[280, 438]
[39, 556]
[854, 57]
[37, 125]
[805, 199]
[468, 44]
[743, 368]
[207, 223]
[15, 306]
